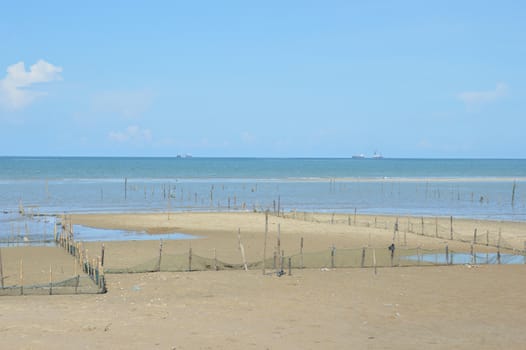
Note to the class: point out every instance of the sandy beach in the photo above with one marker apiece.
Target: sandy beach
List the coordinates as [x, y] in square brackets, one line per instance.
[460, 307]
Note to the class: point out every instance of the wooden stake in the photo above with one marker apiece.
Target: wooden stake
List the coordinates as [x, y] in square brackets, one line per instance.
[265, 242]
[281, 263]
[301, 252]
[160, 255]
[242, 249]
[475, 236]
[279, 240]
[1, 270]
[363, 258]
[190, 259]
[102, 256]
[333, 249]
[50, 280]
[21, 277]
[513, 194]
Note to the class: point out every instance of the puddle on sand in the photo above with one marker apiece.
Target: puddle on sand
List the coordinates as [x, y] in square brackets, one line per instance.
[85, 233]
[466, 258]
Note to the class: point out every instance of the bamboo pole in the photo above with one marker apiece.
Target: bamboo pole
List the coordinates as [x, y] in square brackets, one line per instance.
[190, 259]
[265, 242]
[301, 252]
[333, 250]
[160, 255]
[362, 264]
[242, 249]
[513, 194]
[279, 241]
[21, 271]
[1, 270]
[50, 280]
[282, 263]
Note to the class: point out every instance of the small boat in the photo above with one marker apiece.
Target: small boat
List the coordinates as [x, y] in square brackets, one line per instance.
[358, 156]
[377, 156]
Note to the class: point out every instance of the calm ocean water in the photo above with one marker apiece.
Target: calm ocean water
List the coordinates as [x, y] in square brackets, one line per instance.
[489, 189]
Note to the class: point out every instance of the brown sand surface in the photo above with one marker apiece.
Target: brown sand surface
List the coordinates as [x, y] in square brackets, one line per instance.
[219, 231]
[453, 307]
[444, 307]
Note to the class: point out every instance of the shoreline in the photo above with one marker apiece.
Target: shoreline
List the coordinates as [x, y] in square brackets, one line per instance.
[314, 179]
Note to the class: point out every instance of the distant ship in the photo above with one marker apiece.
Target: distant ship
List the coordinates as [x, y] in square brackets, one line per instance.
[377, 156]
[184, 156]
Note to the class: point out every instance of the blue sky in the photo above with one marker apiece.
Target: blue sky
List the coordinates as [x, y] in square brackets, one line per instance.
[263, 78]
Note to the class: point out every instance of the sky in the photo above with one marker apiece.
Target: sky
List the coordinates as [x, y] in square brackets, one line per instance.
[411, 79]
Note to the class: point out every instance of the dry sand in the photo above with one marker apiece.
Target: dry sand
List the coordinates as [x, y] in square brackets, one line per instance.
[459, 307]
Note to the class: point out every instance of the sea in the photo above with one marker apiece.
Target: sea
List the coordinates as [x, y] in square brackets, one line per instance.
[466, 188]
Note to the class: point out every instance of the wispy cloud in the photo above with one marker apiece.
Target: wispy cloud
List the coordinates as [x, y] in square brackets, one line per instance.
[248, 137]
[15, 88]
[127, 104]
[473, 99]
[132, 134]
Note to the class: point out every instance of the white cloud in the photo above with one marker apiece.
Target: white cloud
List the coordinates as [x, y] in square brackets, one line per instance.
[15, 88]
[476, 98]
[132, 134]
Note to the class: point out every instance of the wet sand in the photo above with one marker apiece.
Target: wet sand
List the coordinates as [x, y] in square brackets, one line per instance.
[460, 307]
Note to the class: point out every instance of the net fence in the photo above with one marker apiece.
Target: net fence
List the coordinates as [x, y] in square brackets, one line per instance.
[74, 285]
[366, 257]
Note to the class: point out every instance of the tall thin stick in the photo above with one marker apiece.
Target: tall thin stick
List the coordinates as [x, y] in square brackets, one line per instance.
[301, 253]
[279, 241]
[160, 255]
[50, 280]
[242, 249]
[1, 270]
[21, 277]
[513, 194]
[265, 242]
